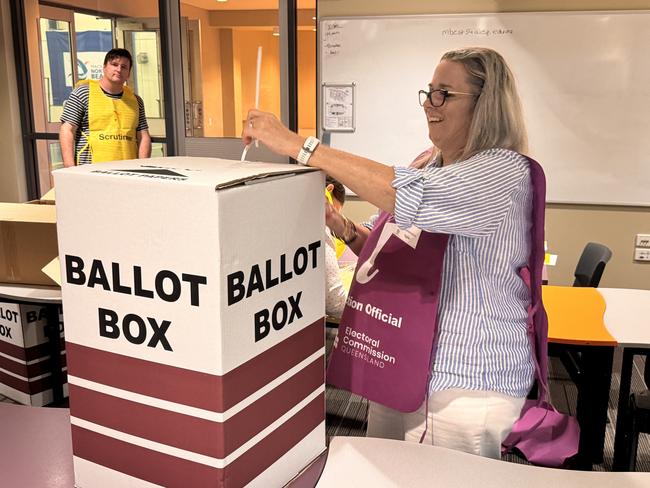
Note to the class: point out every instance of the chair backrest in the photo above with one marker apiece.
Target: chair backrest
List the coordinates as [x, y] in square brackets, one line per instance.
[591, 264]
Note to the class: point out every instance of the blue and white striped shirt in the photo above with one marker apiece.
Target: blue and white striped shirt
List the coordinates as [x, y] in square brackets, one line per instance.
[485, 204]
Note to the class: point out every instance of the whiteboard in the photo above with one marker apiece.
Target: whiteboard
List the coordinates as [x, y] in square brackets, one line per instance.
[584, 80]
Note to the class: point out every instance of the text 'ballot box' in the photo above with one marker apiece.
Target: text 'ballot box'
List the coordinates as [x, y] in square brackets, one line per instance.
[193, 293]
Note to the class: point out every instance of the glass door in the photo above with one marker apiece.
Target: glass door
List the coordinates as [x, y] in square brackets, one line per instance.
[72, 48]
[57, 57]
[221, 43]
[141, 37]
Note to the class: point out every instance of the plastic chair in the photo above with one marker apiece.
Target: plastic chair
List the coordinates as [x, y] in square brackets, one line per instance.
[591, 265]
[639, 416]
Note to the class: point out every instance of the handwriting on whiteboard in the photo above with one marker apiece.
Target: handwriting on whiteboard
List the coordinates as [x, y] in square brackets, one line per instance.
[478, 31]
[332, 38]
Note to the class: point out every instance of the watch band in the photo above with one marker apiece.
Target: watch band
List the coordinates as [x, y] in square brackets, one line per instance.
[307, 149]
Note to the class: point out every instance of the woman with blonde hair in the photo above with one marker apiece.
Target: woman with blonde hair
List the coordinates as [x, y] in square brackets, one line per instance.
[444, 331]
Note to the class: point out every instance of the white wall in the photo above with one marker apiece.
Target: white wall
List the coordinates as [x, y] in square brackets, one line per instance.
[568, 227]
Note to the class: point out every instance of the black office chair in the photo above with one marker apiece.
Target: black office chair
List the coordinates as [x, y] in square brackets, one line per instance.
[591, 265]
[639, 416]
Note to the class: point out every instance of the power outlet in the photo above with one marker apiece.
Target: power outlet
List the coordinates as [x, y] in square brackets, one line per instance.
[641, 254]
[643, 240]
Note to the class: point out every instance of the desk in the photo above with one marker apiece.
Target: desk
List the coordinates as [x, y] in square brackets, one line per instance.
[35, 447]
[50, 296]
[383, 463]
[575, 320]
[628, 319]
[621, 319]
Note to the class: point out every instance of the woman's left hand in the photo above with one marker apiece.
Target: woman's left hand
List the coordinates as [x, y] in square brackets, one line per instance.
[334, 219]
[266, 128]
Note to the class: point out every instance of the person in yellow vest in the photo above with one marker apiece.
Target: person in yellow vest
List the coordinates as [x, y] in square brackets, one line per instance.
[103, 120]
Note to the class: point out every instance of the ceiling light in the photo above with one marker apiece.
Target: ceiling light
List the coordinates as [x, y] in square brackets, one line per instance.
[222, 1]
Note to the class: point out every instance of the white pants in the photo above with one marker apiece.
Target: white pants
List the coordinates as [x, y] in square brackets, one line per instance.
[466, 420]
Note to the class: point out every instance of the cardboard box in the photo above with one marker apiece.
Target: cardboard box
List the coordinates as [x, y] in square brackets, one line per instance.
[49, 198]
[25, 369]
[193, 291]
[27, 242]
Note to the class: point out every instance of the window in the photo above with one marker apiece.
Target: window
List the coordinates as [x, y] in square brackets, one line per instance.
[217, 70]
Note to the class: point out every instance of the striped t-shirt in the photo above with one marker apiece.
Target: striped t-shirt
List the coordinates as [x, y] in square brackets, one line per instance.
[485, 204]
[75, 111]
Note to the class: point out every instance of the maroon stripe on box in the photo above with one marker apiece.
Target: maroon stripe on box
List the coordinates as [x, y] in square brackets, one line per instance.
[249, 377]
[13, 350]
[46, 383]
[190, 433]
[30, 387]
[14, 367]
[27, 354]
[167, 470]
[241, 427]
[194, 388]
[40, 350]
[44, 366]
[253, 462]
[29, 371]
[15, 383]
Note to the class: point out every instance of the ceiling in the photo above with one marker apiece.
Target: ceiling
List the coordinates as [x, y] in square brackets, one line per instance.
[245, 4]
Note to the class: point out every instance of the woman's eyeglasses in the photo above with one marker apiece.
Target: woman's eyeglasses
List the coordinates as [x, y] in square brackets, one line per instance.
[437, 97]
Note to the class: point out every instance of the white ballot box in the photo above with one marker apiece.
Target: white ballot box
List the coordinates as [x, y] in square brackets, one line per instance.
[25, 365]
[193, 295]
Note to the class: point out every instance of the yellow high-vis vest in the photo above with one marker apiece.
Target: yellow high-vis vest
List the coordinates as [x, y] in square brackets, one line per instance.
[112, 125]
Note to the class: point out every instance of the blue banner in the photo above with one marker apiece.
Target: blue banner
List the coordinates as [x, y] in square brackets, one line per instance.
[91, 49]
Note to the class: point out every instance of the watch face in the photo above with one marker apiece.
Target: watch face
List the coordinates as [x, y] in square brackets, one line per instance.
[310, 144]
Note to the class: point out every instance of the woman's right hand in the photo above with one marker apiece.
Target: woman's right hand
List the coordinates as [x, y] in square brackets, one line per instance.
[266, 128]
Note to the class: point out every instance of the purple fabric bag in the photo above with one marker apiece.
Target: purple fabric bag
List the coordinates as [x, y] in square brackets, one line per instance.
[543, 435]
[383, 349]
